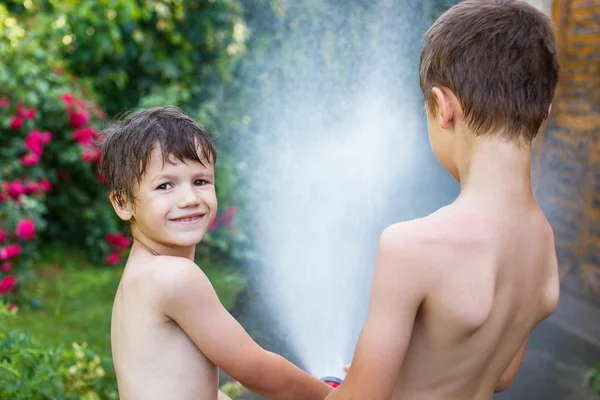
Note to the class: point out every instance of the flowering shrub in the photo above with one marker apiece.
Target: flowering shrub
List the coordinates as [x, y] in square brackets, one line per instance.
[49, 186]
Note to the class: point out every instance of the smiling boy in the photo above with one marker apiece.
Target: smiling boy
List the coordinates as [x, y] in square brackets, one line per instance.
[169, 332]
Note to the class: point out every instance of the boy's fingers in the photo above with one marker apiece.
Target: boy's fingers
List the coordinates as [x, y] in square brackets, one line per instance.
[346, 368]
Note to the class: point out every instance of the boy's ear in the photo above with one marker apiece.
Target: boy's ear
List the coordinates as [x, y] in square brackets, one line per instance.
[122, 207]
[445, 106]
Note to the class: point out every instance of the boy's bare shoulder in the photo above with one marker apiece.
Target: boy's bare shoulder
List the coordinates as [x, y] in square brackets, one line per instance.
[456, 232]
[405, 247]
[424, 241]
[450, 225]
[169, 275]
[418, 234]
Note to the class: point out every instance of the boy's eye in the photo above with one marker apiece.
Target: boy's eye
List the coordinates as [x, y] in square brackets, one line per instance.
[200, 182]
[164, 186]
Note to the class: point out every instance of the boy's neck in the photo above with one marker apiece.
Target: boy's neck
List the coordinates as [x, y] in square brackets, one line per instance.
[144, 244]
[496, 172]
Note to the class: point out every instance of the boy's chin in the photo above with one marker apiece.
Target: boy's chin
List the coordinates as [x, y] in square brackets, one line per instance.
[188, 239]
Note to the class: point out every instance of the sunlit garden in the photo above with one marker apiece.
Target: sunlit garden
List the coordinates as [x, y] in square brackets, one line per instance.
[70, 68]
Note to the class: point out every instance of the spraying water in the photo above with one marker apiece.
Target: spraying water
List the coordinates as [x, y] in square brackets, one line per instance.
[319, 244]
[342, 154]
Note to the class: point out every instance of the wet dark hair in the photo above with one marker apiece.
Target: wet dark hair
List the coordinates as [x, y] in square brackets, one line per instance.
[126, 146]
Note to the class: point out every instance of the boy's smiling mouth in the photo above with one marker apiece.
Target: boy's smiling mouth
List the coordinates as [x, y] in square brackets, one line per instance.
[188, 219]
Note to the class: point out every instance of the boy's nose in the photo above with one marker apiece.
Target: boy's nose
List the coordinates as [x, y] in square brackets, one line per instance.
[188, 198]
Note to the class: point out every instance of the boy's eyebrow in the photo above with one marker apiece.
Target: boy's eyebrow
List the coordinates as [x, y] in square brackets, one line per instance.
[201, 174]
[204, 174]
[162, 176]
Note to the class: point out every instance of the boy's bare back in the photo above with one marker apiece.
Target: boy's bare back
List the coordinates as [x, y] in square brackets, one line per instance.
[153, 357]
[455, 295]
[486, 275]
[446, 290]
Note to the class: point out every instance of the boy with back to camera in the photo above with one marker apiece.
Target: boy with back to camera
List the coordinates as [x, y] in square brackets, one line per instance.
[456, 294]
[169, 332]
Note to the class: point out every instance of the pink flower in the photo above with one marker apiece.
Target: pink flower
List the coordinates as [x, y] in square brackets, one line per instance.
[4, 102]
[32, 187]
[26, 113]
[46, 137]
[35, 142]
[45, 185]
[117, 239]
[78, 118]
[84, 136]
[229, 215]
[122, 241]
[91, 155]
[7, 284]
[6, 266]
[26, 229]
[3, 197]
[16, 123]
[67, 98]
[15, 189]
[10, 251]
[111, 238]
[30, 159]
[2, 236]
[87, 156]
[113, 258]
[102, 179]
[11, 307]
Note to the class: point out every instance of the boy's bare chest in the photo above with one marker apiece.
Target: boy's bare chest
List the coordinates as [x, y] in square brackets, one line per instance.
[152, 353]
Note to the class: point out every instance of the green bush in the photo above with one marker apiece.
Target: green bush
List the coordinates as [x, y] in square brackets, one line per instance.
[593, 378]
[31, 371]
[176, 51]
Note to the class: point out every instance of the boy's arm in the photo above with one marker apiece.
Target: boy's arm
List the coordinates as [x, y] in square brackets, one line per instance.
[398, 290]
[510, 373]
[192, 303]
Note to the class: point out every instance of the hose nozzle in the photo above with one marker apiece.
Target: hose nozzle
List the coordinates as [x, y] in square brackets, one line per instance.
[332, 381]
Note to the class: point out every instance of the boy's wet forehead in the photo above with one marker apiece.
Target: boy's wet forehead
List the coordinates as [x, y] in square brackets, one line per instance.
[158, 164]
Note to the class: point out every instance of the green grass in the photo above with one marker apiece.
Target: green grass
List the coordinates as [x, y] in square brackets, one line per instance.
[77, 299]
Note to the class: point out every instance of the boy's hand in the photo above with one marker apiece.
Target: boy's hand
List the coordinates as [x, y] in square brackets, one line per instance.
[347, 368]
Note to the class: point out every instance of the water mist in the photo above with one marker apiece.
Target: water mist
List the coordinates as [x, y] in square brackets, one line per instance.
[342, 153]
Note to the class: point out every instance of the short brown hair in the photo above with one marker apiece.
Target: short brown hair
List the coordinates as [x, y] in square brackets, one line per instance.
[127, 145]
[499, 58]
